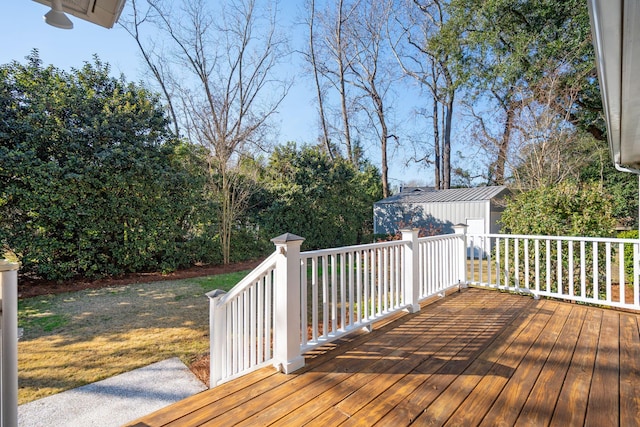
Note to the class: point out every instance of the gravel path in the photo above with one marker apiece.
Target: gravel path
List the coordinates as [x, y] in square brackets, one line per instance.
[116, 400]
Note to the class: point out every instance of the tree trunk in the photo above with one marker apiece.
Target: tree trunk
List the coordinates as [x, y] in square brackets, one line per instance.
[312, 55]
[504, 146]
[446, 146]
[436, 144]
[343, 91]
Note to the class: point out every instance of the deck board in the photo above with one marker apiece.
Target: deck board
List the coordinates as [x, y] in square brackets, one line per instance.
[539, 407]
[477, 357]
[629, 369]
[571, 406]
[603, 406]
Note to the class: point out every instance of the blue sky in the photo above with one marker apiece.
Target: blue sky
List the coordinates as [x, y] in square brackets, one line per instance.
[25, 29]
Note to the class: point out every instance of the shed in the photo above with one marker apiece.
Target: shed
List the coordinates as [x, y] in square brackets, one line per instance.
[438, 211]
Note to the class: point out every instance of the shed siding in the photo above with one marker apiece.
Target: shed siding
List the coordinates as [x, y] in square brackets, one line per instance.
[439, 210]
[444, 215]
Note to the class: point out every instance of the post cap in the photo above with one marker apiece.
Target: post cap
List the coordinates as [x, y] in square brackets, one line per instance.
[215, 293]
[6, 265]
[286, 238]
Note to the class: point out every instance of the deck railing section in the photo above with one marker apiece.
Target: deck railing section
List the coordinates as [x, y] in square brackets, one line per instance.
[597, 271]
[440, 261]
[343, 289]
[242, 324]
[294, 302]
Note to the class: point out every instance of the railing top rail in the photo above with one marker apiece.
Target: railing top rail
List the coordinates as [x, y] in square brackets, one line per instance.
[566, 238]
[251, 278]
[354, 248]
[439, 237]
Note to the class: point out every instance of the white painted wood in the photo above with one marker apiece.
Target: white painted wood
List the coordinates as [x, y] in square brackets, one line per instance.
[412, 268]
[561, 259]
[8, 343]
[287, 353]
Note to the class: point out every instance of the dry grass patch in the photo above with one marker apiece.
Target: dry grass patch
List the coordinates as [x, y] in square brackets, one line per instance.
[81, 337]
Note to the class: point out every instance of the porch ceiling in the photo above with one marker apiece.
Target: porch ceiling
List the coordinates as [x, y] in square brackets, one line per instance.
[615, 25]
[473, 358]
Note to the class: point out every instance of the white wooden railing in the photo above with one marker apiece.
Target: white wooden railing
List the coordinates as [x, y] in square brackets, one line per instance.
[598, 271]
[345, 289]
[296, 301]
[242, 323]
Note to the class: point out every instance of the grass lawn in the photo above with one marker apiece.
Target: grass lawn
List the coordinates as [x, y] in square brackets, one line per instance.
[77, 338]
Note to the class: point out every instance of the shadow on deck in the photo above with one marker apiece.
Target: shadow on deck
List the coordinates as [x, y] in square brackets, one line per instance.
[476, 357]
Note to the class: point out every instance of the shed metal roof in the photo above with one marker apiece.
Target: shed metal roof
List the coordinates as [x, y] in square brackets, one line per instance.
[477, 194]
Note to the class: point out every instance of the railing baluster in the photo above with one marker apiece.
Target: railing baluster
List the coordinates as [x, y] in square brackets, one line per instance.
[481, 256]
[387, 282]
[304, 295]
[489, 261]
[537, 262]
[246, 329]
[621, 273]
[315, 295]
[596, 286]
[260, 321]
[380, 283]
[366, 276]
[334, 292]
[559, 289]
[636, 274]
[570, 269]
[236, 350]
[607, 247]
[343, 292]
[359, 285]
[548, 259]
[325, 296]
[471, 261]
[583, 270]
[506, 266]
[351, 300]
[516, 261]
[526, 264]
[498, 267]
[253, 326]
[268, 318]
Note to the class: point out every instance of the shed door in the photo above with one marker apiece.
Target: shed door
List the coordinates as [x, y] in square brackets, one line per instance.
[475, 245]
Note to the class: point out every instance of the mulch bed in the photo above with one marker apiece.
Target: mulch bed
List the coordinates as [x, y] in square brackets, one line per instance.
[28, 288]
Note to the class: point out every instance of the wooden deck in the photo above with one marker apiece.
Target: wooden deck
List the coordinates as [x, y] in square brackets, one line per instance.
[476, 357]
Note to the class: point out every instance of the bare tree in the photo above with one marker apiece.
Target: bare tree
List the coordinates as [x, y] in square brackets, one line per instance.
[326, 139]
[547, 149]
[133, 25]
[223, 63]
[329, 60]
[496, 127]
[428, 63]
[372, 73]
[349, 54]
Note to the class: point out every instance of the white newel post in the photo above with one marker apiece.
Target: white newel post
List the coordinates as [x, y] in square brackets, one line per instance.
[287, 326]
[217, 326]
[461, 230]
[9, 343]
[411, 269]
